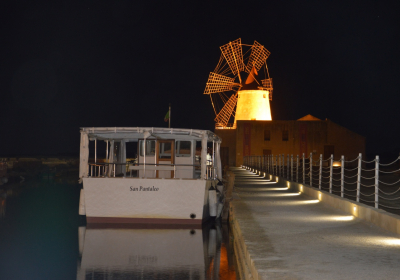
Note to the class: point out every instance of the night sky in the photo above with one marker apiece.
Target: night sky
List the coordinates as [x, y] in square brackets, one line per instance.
[71, 64]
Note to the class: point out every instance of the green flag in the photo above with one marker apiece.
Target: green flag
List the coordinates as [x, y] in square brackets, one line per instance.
[166, 118]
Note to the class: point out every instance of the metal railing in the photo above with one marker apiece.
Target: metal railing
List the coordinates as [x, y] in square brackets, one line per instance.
[102, 169]
[369, 182]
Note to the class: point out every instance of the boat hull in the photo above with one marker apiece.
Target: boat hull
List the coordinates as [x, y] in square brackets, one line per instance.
[141, 200]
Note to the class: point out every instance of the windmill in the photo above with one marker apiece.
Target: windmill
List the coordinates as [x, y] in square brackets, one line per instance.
[228, 91]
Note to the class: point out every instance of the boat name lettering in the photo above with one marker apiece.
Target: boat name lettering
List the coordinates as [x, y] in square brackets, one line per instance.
[144, 189]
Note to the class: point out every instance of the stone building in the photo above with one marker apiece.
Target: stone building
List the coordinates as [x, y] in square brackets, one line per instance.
[306, 135]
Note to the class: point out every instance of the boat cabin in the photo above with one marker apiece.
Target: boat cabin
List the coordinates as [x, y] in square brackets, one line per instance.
[166, 153]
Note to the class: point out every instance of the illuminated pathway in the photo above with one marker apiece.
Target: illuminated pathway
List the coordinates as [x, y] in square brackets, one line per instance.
[289, 236]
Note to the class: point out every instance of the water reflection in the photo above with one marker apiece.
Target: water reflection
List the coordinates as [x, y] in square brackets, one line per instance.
[153, 253]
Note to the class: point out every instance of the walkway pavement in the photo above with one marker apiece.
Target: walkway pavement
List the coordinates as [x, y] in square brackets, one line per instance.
[290, 236]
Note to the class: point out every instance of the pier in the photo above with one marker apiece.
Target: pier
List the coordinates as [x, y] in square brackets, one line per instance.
[284, 233]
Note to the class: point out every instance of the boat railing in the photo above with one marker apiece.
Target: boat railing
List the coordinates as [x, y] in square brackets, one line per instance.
[105, 169]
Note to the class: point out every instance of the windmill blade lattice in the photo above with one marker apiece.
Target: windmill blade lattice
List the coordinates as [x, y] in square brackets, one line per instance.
[218, 83]
[267, 84]
[258, 56]
[234, 56]
[224, 115]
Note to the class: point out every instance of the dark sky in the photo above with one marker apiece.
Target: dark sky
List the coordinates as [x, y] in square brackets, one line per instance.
[70, 64]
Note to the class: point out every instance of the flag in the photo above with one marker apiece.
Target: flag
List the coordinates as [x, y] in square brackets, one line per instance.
[166, 118]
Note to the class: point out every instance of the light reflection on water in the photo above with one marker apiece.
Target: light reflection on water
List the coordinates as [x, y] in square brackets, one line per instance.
[120, 253]
[43, 237]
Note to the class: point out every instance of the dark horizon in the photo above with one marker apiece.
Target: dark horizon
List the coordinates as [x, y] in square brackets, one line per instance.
[97, 64]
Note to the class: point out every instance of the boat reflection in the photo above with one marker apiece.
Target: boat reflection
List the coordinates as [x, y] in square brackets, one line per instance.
[152, 253]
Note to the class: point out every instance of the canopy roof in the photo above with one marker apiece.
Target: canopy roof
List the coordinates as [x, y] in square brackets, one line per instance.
[132, 134]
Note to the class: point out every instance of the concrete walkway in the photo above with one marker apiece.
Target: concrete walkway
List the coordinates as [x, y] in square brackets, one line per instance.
[284, 235]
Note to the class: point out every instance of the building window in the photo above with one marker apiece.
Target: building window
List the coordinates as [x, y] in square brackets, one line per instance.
[285, 135]
[267, 135]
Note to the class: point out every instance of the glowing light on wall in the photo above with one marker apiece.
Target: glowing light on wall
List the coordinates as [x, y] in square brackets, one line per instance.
[393, 241]
[337, 164]
[301, 188]
[319, 196]
[278, 194]
[343, 218]
[310, 201]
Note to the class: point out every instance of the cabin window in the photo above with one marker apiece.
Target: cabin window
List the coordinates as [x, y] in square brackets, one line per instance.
[150, 147]
[183, 148]
[165, 150]
[267, 135]
[285, 135]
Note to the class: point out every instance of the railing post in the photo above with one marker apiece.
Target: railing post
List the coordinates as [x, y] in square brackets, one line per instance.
[331, 175]
[311, 163]
[273, 164]
[279, 170]
[377, 182]
[297, 169]
[288, 167]
[320, 171]
[304, 170]
[291, 172]
[264, 166]
[342, 176]
[359, 177]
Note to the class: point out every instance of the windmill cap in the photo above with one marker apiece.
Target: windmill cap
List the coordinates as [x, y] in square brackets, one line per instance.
[252, 82]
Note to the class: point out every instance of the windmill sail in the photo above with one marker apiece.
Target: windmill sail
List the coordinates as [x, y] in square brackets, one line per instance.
[225, 114]
[233, 55]
[219, 83]
[257, 58]
[267, 85]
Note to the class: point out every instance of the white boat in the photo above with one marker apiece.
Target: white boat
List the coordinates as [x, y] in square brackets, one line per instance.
[168, 183]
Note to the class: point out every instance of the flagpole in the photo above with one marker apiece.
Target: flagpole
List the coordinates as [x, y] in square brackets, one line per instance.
[169, 119]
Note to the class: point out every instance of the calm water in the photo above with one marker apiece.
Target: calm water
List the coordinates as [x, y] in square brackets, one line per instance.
[43, 237]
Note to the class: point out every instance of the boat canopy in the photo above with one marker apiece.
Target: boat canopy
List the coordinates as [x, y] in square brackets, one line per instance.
[132, 134]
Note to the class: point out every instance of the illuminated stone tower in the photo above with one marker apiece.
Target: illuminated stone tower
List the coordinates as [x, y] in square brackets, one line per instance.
[253, 102]
[234, 99]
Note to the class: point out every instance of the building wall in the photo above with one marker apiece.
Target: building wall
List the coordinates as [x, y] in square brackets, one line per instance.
[318, 137]
[228, 137]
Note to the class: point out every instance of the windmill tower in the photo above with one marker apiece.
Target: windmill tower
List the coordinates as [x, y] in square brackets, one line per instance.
[234, 98]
